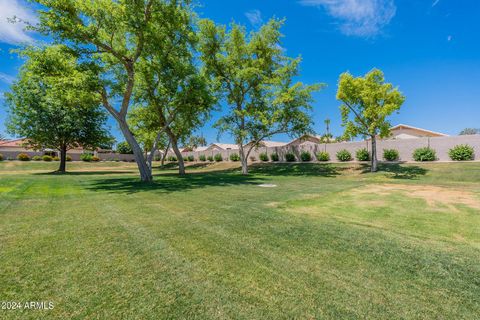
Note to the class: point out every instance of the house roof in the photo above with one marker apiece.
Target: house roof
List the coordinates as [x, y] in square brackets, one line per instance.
[13, 143]
[271, 144]
[405, 126]
[304, 137]
[200, 149]
[225, 146]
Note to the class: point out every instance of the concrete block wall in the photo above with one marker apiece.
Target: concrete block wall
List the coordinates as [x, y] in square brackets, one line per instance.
[405, 148]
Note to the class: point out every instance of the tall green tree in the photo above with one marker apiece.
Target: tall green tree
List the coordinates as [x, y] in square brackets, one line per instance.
[172, 87]
[193, 142]
[469, 131]
[51, 103]
[366, 104]
[256, 82]
[146, 129]
[327, 137]
[111, 36]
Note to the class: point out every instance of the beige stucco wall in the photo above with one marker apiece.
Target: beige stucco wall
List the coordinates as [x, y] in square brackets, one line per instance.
[405, 147]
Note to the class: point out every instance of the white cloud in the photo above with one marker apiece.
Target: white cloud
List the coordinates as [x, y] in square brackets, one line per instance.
[8, 79]
[13, 33]
[364, 18]
[435, 3]
[255, 17]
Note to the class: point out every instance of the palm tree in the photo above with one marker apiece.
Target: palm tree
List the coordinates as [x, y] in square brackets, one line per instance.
[328, 135]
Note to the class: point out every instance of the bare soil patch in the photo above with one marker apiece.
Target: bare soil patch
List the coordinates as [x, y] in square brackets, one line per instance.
[433, 195]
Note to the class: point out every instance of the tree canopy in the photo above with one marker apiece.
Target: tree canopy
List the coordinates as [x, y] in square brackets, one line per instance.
[469, 131]
[172, 87]
[111, 36]
[52, 105]
[366, 104]
[255, 79]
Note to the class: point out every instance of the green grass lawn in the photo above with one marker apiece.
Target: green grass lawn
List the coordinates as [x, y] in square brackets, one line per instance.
[329, 242]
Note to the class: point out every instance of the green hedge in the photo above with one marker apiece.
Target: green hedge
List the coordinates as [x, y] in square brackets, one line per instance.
[306, 156]
[363, 155]
[290, 157]
[323, 156]
[391, 155]
[424, 154]
[344, 155]
[462, 152]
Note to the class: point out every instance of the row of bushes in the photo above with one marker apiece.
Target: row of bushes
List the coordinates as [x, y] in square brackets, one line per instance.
[26, 157]
[457, 153]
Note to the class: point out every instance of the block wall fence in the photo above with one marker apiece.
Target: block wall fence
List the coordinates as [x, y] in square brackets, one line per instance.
[12, 155]
[405, 148]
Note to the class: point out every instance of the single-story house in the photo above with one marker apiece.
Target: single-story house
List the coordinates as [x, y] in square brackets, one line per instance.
[221, 147]
[268, 144]
[17, 145]
[20, 146]
[308, 139]
[403, 131]
[198, 149]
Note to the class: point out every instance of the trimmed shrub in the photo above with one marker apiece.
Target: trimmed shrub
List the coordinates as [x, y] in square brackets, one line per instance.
[56, 159]
[68, 158]
[210, 158]
[306, 156]
[191, 158]
[218, 157]
[172, 159]
[124, 148]
[36, 158]
[462, 152]
[344, 155]
[263, 157]
[47, 158]
[87, 157]
[323, 156]
[274, 157]
[391, 154]
[424, 154]
[363, 155]
[95, 159]
[202, 158]
[23, 157]
[234, 157]
[1, 157]
[290, 157]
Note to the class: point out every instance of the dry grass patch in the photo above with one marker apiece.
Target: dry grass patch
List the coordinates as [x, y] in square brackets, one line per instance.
[433, 195]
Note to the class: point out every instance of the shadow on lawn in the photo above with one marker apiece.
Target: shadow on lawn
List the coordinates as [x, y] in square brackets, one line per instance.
[297, 169]
[398, 170]
[167, 183]
[83, 173]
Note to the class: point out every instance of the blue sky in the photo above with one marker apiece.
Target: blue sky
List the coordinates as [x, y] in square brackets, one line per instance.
[429, 48]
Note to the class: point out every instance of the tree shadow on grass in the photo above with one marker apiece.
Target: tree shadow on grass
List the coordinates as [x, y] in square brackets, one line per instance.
[297, 169]
[398, 170]
[83, 173]
[167, 183]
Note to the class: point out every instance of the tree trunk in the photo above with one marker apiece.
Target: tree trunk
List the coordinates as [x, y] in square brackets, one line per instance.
[243, 159]
[374, 154]
[164, 155]
[145, 174]
[63, 159]
[150, 157]
[174, 142]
